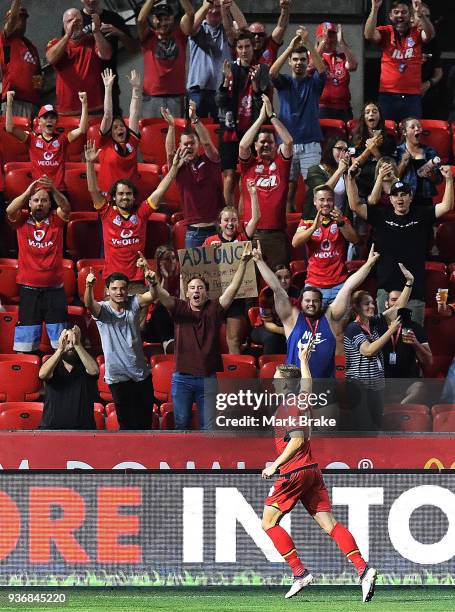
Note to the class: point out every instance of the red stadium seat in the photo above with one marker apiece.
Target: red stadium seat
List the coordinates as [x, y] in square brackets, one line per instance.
[253, 314]
[77, 190]
[83, 238]
[178, 235]
[112, 421]
[300, 195]
[436, 134]
[452, 286]
[103, 387]
[154, 359]
[16, 182]
[333, 127]
[443, 417]
[441, 334]
[158, 233]
[13, 149]
[9, 289]
[268, 369]
[370, 283]
[8, 322]
[406, 417]
[153, 136]
[99, 290]
[292, 222]
[172, 198]
[69, 280]
[162, 380]
[263, 359]
[167, 420]
[91, 215]
[21, 415]
[235, 359]
[26, 165]
[391, 128]
[98, 415]
[435, 277]
[241, 369]
[148, 180]
[445, 241]
[19, 380]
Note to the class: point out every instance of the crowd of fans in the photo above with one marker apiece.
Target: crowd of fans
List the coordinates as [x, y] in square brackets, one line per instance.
[368, 197]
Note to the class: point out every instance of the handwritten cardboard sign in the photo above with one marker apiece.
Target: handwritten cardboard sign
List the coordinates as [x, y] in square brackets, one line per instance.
[217, 264]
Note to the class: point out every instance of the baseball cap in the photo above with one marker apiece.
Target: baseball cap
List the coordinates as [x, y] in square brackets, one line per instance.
[22, 13]
[400, 186]
[326, 25]
[47, 108]
[162, 9]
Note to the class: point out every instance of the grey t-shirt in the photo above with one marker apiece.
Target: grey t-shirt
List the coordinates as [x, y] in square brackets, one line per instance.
[207, 51]
[122, 342]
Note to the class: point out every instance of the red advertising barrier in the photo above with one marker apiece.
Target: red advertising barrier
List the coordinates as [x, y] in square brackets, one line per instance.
[84, 450]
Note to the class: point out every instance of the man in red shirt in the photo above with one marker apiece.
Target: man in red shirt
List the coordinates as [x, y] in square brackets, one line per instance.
[20, 66]
[326, 239]
[164, 49]
[40, 274]
[335, 100]
[300, 480]
[266, 47]
[78, 61]
[401, 60]
[270, 171]
[47, 148]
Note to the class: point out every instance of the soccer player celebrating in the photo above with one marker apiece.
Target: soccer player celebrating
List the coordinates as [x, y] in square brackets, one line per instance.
[301, 480]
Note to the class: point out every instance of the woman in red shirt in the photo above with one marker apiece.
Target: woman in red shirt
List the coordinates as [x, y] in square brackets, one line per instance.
[229, 231]
[119, 142]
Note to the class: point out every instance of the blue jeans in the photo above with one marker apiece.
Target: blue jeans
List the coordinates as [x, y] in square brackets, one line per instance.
[448, 392]
[187, 389]
[329, 294]
[195, 236]
[399, 106]
[205, 102]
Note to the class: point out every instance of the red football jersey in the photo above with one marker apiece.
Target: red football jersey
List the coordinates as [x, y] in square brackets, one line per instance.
[336, 92]
[78, 70]
[19, 62]
[327, 250]
[165, 64]
[291, 417]
[123, 237]
[401, 61]
[40, 250]
[48, 156]
[117, 160]
[271, 180]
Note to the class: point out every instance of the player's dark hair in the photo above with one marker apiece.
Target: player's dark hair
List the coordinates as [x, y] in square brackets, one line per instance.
[279, 267]
[123, 181]
[116, 276]
[198, 277]
[265, 130]
[122, 121]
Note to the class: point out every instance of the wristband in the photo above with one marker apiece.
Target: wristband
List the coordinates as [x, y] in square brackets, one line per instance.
[154, 284]
[272, 116]
[195, 121]
[411, 285]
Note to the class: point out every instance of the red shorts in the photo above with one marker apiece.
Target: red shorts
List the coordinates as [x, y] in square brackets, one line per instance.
[306, 486]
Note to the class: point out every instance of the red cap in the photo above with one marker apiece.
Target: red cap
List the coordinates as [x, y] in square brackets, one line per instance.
[47, 108]
[325, 26]
[22, 13]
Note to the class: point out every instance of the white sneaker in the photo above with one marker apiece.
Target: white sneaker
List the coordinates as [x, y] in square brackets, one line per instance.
[299, 584]
[368, 582]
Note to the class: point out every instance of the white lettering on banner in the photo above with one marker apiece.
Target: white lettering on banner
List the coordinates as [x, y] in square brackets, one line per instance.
[78, 465]
[358, 500]
[400, 535]
[193, 525]
[231, 507]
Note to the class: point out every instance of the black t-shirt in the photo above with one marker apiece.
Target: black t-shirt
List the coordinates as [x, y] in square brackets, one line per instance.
[401, 238]
[405, 365]
[69, 399]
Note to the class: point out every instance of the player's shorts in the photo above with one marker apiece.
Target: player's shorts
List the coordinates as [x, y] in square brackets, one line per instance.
[306, 486]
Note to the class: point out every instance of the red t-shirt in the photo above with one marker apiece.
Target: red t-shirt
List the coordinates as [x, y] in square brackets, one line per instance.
[327, 249]
[19, 62]
[123, 238]
[269, 52]
[79, 69]
[165, 64]
[40, 250]
[401, 61]
[201, 187]
[271, 180]
[336, 92]
[291, 415]
[117, 160]
[218, 238]
[48, 157]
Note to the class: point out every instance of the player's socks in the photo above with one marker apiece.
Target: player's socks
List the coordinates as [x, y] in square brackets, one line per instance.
[348, 546]
[285, 546]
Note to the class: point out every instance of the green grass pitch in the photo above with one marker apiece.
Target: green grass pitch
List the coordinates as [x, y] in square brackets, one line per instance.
[313, 599]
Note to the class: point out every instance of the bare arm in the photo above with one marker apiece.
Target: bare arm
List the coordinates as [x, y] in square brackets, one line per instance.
[156, 291]
[89, 301]
[90, 365]
[14, 208]
[231, 290]
[423, 22]
[142, 20]
[423, 351]
[370, 31]
[273, 328]
[203, 134]
[199, 17]
[136, 100]
[155, 198]
[283, 306]
[57, 51]
[371, 349]
[83, 122]
[249, 136]
[447, 201]
[9, 119]
[340, 306]
[103, 46]
[316, 57]
[91, 155]
[353, 198]
[343, 166]
[281, 59]
[376, 192]
[186, 22]
[108, 81]
[11, 21]
[283, 21]
[391, 313]
[303, 234]
[47, 369]
[238, 16]
[63, 205]
[250, 227]
[351, 60]
[297, 439]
